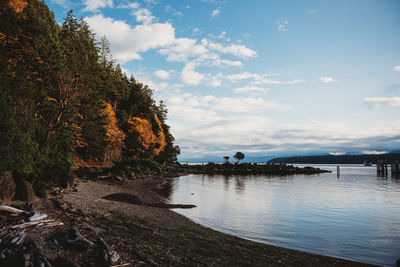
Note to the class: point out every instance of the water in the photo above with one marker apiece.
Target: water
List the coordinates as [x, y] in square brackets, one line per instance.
[355, 217]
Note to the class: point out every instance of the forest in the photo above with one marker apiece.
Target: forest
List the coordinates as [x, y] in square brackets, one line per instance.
[65, 104]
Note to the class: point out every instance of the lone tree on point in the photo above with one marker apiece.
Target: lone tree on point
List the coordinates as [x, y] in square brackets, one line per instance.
[226, 159]
[239, 156]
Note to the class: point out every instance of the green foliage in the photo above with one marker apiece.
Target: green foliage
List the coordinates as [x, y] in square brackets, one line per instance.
[133, 168]
[239, 156]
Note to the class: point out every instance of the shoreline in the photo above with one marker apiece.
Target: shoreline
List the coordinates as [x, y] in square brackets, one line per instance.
[197, 244]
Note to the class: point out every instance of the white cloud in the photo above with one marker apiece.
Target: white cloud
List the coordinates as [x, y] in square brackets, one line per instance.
[151, 2]
[259, 79]
[229, 104]
[326, 79]
[94, 5]
[216, 80]
[190, 76]
[396, 68]
[371, 152]
[172, 10]
[337, 153]
[250, 89]
[225, 62]
[162, 74]
[282, 25]
[127, 42]
[133, 5]
[312, 11]
[181, 49]
[383, 101]
[215, 12]
[144, 15]
[185, 49]
[234, 49]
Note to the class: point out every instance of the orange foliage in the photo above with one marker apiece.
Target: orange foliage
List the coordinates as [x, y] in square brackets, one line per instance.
[143, 128]
[146, 137]
[49, 98]
[18, 5]
[160, 139]
[114, 134]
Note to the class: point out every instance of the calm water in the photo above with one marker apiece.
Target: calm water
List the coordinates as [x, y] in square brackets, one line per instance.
[354, 217]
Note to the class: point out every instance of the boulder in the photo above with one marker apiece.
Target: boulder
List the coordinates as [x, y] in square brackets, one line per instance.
[7, 187]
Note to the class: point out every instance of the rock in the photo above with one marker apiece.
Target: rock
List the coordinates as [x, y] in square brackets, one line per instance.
[7, 187]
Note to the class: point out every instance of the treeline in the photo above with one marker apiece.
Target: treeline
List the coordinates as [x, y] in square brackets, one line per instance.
[65, 104]
[344, 159]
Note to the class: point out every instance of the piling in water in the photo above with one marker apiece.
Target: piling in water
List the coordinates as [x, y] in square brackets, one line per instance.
[395, 166]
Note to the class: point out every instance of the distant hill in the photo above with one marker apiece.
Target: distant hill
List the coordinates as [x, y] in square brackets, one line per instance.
[343, 159]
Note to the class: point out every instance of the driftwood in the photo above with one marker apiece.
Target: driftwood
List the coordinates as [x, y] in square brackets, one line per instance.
[27, 224]
[74, 237]
[12, 210]
[37, 216]
[19, 238]
[110, 256]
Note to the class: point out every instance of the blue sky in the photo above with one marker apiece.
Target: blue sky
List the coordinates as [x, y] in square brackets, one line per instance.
[262, 77]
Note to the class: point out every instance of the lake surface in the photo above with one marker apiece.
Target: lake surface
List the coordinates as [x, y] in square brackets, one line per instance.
[356, 216]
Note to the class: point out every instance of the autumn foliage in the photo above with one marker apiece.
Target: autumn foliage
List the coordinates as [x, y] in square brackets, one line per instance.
[149, 142]
[115, 136]
[18, 5]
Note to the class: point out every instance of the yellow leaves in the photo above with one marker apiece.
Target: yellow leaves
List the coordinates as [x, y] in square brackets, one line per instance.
[114, 134]
[146, 137]
[18, 5]
[49, 98]
[143, 128]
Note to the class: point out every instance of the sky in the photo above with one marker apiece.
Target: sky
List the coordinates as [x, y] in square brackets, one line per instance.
[267, 78]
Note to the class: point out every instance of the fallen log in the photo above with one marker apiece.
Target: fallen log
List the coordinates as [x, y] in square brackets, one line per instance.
[12, 210]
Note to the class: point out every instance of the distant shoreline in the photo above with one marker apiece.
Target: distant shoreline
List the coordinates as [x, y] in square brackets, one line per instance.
[341, 159]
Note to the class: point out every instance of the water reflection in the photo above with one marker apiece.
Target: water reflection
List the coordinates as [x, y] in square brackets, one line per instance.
[354, 217]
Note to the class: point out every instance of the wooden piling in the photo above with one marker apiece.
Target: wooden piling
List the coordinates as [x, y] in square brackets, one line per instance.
[386, 168]
[395, 166]
[338, 171]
